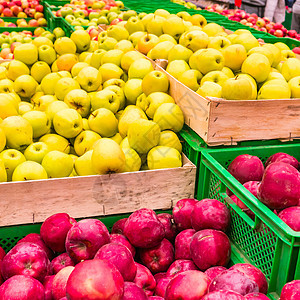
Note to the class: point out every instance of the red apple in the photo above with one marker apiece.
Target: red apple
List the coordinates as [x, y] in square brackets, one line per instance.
[182, 244]
[210, 248]
[144, 279]
[155, 298]
[159, 276]
[277, 26]
[26, 259]
[121, 257]
[33, 23]
[12, 48]
[292, 33]
[85, 238]
[182, 213]
[59, 284]
[1, 8]
[122, 239]
[159, 258]
[54, 231]
[37, 239]
[244, 22]
[180, 265]
[170, 227]
[278, 33]
[48, 287]
[10, 4]
[162, 285]
[7, 12]
[61, 261]
[118, 226]
[263, 29]
[22, 287]
[296, 50]
[266, 20]
[187, 285]
[133, 292]
[92, 278]
[15, 10]
[214, 272]
[269, 27]
[272, 31]
[2, 253]
[39, 8]
[284, 31]
[143, 229]
[116, 21]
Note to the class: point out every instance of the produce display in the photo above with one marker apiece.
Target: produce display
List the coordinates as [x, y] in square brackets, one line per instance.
[140, 259]
[93, 97]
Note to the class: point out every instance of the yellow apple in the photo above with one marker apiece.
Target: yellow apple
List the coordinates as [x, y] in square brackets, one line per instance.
[274, 89]
[160, 50]
[105, 99]
[170, 139]
[83, 164]
[89, 79]
[79, 100]
[177, 67]
[64, 86]
[191, 78]
[155, 81]
[173, 26]
[215, 76]
[41, 103]
[49, 82]
[110, 71]
[132, 90]
[179, 52]
[85, 141]
[154, 100]
[56, 142]
[81, 39]
[120, 94]
[124, 46]
[3, 174]
[112, 56]
[39, 121]
[212, 29]
[36, 152]
[132, 160]
[25, 86]
[64, 45]
[194, 40]
[294, 84]
[78, 67]
[140, 68]
[6, 86]
[237, 88]
[26, 53]
[210, 89]
[7, 107]
[15, 69]
[128, 58]
[29, 170]
[263, 50]
[47, 54]
[290, 68]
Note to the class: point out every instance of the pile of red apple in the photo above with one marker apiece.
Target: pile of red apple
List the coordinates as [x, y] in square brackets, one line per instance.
[20, 8]
[146, 256]
[252, 20]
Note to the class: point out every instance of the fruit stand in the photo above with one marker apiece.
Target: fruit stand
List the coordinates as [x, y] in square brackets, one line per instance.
[148, 150]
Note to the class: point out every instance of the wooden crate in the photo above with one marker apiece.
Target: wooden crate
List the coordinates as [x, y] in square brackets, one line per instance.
[226, 122]
[98, 195]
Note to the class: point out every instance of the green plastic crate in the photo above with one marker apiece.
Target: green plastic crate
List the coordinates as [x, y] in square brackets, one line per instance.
[292, 43]
[266, 242]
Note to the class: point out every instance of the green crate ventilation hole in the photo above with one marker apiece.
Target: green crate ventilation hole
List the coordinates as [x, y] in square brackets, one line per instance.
[258, 245]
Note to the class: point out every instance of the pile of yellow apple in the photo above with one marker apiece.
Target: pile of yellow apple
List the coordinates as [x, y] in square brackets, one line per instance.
[209, 60]
[69, 108]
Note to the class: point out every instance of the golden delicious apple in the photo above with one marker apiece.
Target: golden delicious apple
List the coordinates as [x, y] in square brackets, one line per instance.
[26, 53]
[124, 46]
[212, 29]
[146, 43]
[110, 71]
[85, 124]
[194, 40]
[57, 164]
[263, 50]
[163, 157]
[130, 114]
[228, 72]
[162, 13]
[282, 46]
[41, 103]
[64, 45]
[124, 143]
[191, 78]
[81, 39]
[67, 123]
[120, 94]
[155, 81]
[237, 88]
[114, 81]
[258, 66]
[179, 52]
[219, 42]
[83, 164]
[47, 54]
[167, 37]
[143, 135]
[173, 26]
[79, 100]
[275, 75]
[170, 139]
[64, 86]
[161, 50]
[41, 40]
[7, 107]
[147, 19]
[18, 132]
[25, 86]
[39, 121]
[39, 70]
[2, 139]
[208, 60]
[66, 62]
[274, 89]
[89, 79]
[29, 170]
[117, 138]
[107, 157]
[25, 107]
[247, 40]
[169, 116]
[134, 24]
[253, 84]
[154, 26]
[85, 141]
[294, 85]
[128, 58]
[3, 174]
[177, 67]
[105, 99]
[15, 69]
[36, 152]
[11, 159]
[104, 122]
[132, 160]
[198, 20]
[140, 68]
[285, 54]
[215, 76]
[117, 32]
[107, 43]
[6, 86]
[132, 90]
[154, 100]
[184, 15]
[77, 68]
[210, 89]
[49, 82]
[276, 53]
[56, 142]
[290, 68]
[134, 37]
[112, 56]
[96, 58]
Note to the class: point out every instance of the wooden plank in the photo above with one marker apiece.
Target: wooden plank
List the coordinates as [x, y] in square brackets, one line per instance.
[233, 121]
[99, 195]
